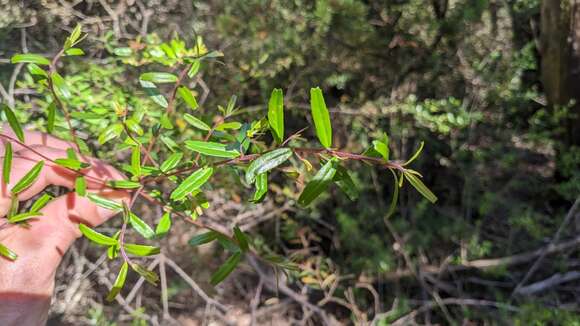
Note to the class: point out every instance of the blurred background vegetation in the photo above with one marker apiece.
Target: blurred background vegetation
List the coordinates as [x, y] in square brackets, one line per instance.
[489, 85]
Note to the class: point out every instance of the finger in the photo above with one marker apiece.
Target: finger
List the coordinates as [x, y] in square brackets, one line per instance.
[40, 247]
[96, 175]
[34, 138]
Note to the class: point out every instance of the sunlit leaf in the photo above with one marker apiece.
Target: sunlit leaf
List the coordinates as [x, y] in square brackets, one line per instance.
[196, 122]
[276, 115]
[171, 162]
[71, 163]
[105, 202]
[96, 237]
[29, 178]
[164, 225]
[23, 217]
[60, 85]
[141, 250]
[6, 252]
[123, 184]
[187, 97]
[192, 183]
[74, 52]
[321, 117]
[261, 187]
[81, 186]
[267, 162]
[152, 91]
[212, 149]
[110, 133]
[158, 77]
[30, 58]
[40, 202]
[119, 282]
[141, 227]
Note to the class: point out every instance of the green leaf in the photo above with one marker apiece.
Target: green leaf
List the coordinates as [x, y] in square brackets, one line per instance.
[96, 237]
[51, 117]
[158, 77]
[381, 148]
[165, 122]
[136, 161]
[110, 133]
[37, 72]
[420, 186]
[192, 183]
[29, 178]
[71, 163]
[164, 225]
[23, 217]
[74, 52]
[187, 97]
[119, 282]
[417, 153]
[30, 58]
[321, 117]
[60, 85]
[7, 164]
[40, 202]
[149, 276]
[197, 123]
[75, 34]
[234, 125]
[153, 92]
[276, 115]
[134, 126]
[105, 202]
[226, 268]
[261, 187]
[13, 122]
[123, 184]
[122, 52]
[203, 238]
[231, 105]
[4, 251]
[141, 250]
[344, 181]
[171, 162]
[194, 68]
[393, 205]
[267, 162]
[242, 239]
[212, 149]
[319, 182]
[141, 227]
[81, 186]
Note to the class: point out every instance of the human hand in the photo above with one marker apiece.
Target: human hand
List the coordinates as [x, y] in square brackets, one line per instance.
[26, 285]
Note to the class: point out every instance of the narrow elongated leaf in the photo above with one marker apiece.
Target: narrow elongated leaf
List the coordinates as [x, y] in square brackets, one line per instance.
[234, 125]
[196, 122]
[153, 92]
[187, 97]
[149, 276]
[321, 117]
[344, 181]
[267, 162]
[7, 164]
[60, 85]
[226, 268]
[194, 68]
[97, 237]
[417, 153]
[119, 282]
[29, 178]
[71, 163]
[105, 202]
[123, 184]
[171, 162]
[141, 250]
[276, 115]
[50, 117]
[6, 252]
[420, 186]
[158, 77]
[30, 58]
[164, 225]
[203, 238]
[110, 133]
[141, 227]
[74, 52]
[261, 187]
[212, 149]
[13, 122]
[395, 197]
[37, 72]
[136, 161]
[23, 217]
[81, 186]
[40, 202]
[319, 182]
[192, 183]
[381, 148]
[241, 238]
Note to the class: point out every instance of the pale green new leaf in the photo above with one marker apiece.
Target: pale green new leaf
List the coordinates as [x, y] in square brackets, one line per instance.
[187, 97]
[30, 58]
[171, 162]
[6, 252]
[212, 149]
[141, 227]
[96, 237]
[158, 77]
[23, 217]
[141, 250]
[40, 202]
[276, 115]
